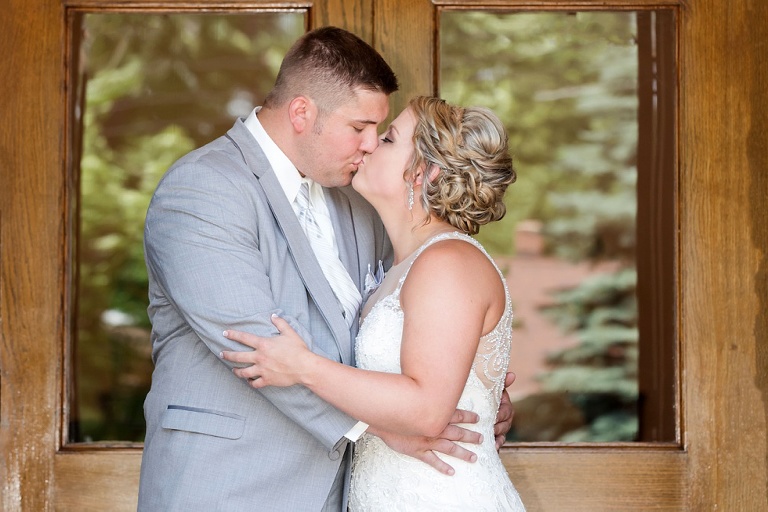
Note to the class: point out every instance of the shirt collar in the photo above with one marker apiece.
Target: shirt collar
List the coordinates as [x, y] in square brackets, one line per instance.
[287, 175]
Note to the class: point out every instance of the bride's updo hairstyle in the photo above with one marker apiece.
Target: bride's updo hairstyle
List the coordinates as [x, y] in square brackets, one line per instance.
[469, 146]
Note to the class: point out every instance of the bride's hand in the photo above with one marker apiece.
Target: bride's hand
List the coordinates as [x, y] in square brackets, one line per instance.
[276, 361]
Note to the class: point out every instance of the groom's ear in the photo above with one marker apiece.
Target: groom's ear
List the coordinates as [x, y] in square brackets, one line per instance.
[302, 113]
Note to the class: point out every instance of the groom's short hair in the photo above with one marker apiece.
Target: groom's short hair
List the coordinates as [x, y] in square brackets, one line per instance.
[327, 65]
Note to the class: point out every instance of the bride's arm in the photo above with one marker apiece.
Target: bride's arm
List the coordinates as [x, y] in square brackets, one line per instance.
[451, 297]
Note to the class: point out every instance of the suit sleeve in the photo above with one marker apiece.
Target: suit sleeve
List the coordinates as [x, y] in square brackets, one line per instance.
[201, 248]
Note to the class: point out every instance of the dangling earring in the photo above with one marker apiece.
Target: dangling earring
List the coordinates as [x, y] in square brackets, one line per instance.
[410, 195]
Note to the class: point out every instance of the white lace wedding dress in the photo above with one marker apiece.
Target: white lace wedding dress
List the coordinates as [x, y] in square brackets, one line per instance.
[384, 480]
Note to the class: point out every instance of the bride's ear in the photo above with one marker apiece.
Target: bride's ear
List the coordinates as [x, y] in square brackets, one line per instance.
[432, 171]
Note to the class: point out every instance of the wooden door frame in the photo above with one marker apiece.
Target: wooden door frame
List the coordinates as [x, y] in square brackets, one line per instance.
[722, 459]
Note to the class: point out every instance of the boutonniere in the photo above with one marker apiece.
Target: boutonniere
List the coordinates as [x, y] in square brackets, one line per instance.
[373, 280]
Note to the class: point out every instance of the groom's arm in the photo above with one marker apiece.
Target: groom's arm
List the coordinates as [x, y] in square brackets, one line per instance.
[201, 242]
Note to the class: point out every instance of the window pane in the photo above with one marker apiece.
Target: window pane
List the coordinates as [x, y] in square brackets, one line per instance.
[151, 88]
[566, 85]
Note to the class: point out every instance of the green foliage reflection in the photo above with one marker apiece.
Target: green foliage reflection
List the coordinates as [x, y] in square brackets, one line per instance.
[155, 87]
[158, 85]
[566, 86]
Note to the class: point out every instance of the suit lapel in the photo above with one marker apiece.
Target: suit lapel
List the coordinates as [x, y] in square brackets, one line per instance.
[298, 245]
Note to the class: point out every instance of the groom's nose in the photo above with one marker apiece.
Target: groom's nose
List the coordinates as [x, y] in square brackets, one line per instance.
[370, 140]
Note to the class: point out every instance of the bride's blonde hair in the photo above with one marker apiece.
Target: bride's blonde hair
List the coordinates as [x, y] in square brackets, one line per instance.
[469, 147]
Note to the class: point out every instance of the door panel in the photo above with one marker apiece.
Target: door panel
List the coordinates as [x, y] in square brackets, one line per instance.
[33, 274]
[723, 232]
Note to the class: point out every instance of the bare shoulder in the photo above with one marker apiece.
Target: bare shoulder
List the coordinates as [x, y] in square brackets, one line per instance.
[452, 263]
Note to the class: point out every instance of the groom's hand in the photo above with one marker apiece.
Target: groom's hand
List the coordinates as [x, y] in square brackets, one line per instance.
[424, 448]
[505, 414]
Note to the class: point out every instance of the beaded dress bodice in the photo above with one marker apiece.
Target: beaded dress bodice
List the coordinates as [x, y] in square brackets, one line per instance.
[383, 479]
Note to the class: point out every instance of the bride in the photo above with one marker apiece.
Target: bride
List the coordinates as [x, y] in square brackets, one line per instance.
[436, 333]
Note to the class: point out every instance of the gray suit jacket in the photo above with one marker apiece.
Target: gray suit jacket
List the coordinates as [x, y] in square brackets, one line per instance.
[224, 249]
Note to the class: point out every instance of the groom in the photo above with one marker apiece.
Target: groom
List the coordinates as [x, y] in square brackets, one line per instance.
[224, 247]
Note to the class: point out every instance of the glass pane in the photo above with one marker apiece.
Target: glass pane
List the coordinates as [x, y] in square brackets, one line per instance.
[151, 88]
[566, 86]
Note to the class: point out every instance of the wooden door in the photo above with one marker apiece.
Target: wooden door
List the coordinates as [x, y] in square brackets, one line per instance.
[721, 459]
